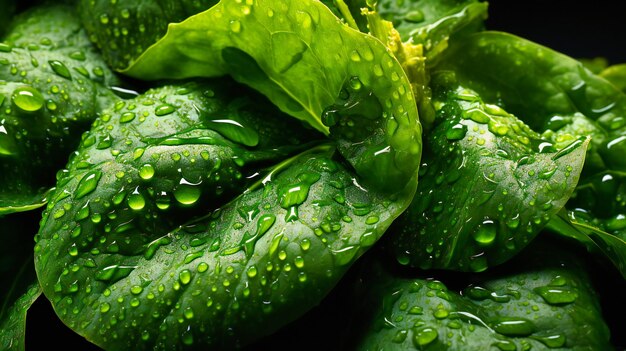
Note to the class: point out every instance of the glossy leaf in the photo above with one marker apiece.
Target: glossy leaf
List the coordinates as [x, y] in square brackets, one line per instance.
[126, 216]
[541, 300]
[311, 66]
[488, 185]
[123, 29]
[616, 74]
[568, 103]
[53, 87]
[592, 234]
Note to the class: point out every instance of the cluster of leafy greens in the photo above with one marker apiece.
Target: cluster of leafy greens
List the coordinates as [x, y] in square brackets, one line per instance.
[180, 175]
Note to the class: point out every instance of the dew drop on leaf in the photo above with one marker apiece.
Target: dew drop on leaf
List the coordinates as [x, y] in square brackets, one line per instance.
[27, 99]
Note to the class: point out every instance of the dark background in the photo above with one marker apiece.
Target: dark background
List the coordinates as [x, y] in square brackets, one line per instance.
[584, 29]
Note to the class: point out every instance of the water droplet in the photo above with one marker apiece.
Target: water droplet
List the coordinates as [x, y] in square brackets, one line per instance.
[514, 326]
[187, 193]
[27, 99]
[105, 142]
[456, 132]
[163, 110]
[552, 341]
[127, 117]
[59, 68]
[556, 295]
[485, 234]
[105, 307]
[136, 290]
[235, 26]
[296, 194]
[135, 200]
[114, 273]
[424, 336]
[187, 337]
[505, 345]
[87, 184]
[146, 171]
[569, 148]
[415, 16]
[184, 276]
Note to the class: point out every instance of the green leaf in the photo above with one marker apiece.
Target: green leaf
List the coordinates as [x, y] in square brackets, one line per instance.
[595, 239]
[568, 102]
[53, 85]
[122, 30]
[185, 233]
[311, 66]
[541, 300]
[615, 74]
[22, 201]
[17, 277]
[548, 90]
[488, 185]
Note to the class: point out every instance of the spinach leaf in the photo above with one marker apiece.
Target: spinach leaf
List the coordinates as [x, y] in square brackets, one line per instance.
[615, 74]
[145, 244]
[52, 85]
[504, 68]
[123, 29]
[567, 103]
[312, 67]
[488, 185]
[17, 277]
[591, 233]
[543, 299]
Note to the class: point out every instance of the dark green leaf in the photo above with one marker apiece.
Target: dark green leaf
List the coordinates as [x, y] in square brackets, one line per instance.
[124, 29]
[571, 225]
[52, 86]
[488, 184]
[150, 273]
[567, 103]
[541, 300]
[568, 100]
